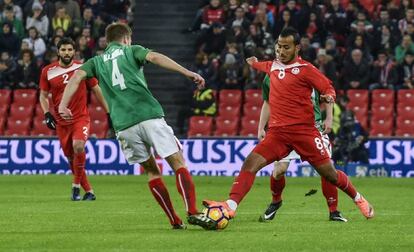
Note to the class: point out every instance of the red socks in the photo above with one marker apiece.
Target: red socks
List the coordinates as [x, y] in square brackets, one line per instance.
[345, 184]
[78, 166]
[84, 179]
[160, 193]
[331, 194]
[185, 187]
[241, 186]
[276, 187]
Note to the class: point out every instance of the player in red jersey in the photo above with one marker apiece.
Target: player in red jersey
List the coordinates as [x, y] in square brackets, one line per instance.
[291, 123]
[72, 134]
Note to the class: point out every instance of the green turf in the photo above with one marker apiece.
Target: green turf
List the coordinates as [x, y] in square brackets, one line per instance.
[37, 215]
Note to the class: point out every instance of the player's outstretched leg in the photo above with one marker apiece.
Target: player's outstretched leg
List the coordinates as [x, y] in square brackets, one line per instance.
[186, 188]
[89, 195]
[242, 184]
[330, 192]
[342, 181]
[160, 192]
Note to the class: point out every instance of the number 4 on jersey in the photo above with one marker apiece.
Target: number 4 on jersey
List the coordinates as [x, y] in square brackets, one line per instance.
[117, 77]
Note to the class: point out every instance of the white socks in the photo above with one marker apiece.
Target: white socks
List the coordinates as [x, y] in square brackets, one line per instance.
[232, 204]
[76, 185]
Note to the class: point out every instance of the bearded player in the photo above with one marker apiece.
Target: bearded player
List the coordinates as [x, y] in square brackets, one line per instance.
[74, 133]
[291, 124]
[277, 179]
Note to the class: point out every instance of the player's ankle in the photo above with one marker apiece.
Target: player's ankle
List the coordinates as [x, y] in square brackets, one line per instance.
[232, 204]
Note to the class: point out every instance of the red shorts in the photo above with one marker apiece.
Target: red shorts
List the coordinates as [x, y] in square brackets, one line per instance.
[67, 133]
[307, 142]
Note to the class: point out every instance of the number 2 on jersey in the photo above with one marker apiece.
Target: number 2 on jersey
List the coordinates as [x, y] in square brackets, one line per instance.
[117, 77]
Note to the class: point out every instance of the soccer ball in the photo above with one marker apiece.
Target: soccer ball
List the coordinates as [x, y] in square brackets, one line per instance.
[218, 214]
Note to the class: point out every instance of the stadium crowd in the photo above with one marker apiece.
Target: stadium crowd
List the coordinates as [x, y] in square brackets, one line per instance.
[31, 29]
[357, 44]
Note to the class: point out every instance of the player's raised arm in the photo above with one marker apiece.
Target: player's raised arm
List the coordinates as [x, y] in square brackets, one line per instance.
[70, 90]
[263, 66]
[168, 63]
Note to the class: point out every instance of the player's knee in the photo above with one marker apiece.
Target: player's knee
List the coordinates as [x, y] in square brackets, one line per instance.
[78, 147]
[253, 163]
[332, 177]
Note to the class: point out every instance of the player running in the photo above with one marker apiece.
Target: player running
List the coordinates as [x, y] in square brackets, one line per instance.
[291, 123]
[277, 179]
[138, 118]
[74, 133]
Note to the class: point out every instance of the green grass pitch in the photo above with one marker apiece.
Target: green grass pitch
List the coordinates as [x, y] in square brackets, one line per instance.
[37, 215]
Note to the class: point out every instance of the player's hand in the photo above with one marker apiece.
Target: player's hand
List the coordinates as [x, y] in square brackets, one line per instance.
[50, 121]
[195, 77]
[261, 134]
[65, 113]
[327, 126]
[251, 60]
[327, 98]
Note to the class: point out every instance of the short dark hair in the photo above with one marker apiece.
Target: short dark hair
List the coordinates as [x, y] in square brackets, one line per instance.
[66, 41]
[290, 31]
[117, 31]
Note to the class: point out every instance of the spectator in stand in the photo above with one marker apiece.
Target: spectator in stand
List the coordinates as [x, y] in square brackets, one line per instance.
[27, 72]
[285, 20]
[230, 73]
[215, 40]
[95, 5]
[36, 43]
[9, 42]
[404, 5]
[385, 41]
[7, 71]
[384, 19]
[17, 24]
[232, 49]
[87, 20]
[356, 72]
[239, 20]
[384, 74]
[90, 41]
[48, 8]
[261, 20]
[409, 18]
[82, 47]
[257, 42]
[405, 46]
[237, 35]
[38, 20]
[71, 8]
[247, 11]
[17, 10]
[406, 72]
[231, 8]
[361, 17]
[291, 7]
[307, 52]
[52, 45]
[205, 68]
[361, 44]
[61, 20]
[265, 14]
[315, 31]
[334, 52]
[213, 13]
[310, 6]
[101, 45]
[326, 65]
[335, 20]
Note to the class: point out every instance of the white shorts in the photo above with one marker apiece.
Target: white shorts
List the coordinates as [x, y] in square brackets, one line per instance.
[293, 155]
[136, 141]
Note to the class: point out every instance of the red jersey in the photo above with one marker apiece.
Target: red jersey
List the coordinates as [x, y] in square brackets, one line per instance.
[290, 94]
[54, 79]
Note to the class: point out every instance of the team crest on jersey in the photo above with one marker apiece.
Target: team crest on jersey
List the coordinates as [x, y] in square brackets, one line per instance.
[295, 70]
